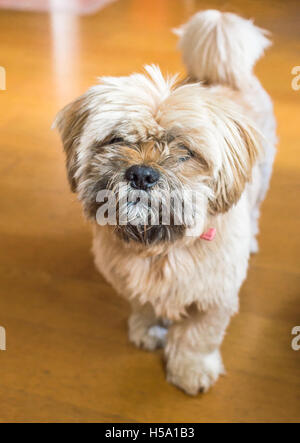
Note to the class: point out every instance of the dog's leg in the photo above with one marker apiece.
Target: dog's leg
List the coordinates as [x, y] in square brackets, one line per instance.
[145, 329]
[192, 351]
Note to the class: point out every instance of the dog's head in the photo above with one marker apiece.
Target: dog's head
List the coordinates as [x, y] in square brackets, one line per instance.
[173, 154]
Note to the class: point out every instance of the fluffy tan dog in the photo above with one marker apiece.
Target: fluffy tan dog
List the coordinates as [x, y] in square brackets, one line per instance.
[211, 137]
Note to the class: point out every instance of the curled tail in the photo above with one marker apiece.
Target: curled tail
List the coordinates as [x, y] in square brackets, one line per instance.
[221, 48]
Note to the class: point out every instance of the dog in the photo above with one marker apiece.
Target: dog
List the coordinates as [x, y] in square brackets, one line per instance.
[212, 135]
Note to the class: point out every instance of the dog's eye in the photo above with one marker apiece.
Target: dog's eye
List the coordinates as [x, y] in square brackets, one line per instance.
[187, 154]
[116, 140]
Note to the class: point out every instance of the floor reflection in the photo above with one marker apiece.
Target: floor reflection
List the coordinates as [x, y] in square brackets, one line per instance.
[72, 6]
[65, 52]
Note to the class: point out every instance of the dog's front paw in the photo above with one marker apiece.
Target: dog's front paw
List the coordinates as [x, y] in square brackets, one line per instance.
[195, 373]
[146, 337]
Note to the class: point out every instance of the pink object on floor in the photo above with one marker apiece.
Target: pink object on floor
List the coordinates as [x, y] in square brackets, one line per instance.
[209, 235]
[71, 6]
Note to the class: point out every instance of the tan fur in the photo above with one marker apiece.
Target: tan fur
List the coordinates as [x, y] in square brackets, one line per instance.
[214, 139]
[70, 123]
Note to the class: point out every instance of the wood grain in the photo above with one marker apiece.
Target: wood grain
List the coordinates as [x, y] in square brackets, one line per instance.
[68, 357]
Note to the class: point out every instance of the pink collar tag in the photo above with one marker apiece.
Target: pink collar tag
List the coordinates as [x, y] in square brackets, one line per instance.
[209, 235]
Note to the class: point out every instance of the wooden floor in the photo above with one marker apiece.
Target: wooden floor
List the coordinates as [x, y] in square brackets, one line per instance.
[68, 358]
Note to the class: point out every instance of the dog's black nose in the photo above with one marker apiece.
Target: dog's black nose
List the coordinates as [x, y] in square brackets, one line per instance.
[141, 176]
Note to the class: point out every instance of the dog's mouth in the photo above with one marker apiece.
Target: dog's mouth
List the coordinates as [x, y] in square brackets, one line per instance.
[133, 203]
[149, 225]
[138, 216]
[150, 235]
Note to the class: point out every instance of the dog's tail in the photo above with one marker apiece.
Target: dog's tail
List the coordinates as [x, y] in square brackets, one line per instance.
[221, 48]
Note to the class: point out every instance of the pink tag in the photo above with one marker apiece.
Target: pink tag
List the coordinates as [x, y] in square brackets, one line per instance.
[209, 235]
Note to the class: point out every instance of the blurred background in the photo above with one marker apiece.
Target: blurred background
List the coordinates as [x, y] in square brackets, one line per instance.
[68, 357]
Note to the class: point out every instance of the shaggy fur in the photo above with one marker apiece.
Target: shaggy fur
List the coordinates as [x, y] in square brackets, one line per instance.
[214, 135]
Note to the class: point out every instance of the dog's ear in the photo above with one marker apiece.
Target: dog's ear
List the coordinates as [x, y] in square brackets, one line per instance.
[240, 147]
[70, 123]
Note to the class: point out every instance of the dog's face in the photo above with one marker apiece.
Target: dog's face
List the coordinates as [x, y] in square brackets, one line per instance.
[183, 148]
